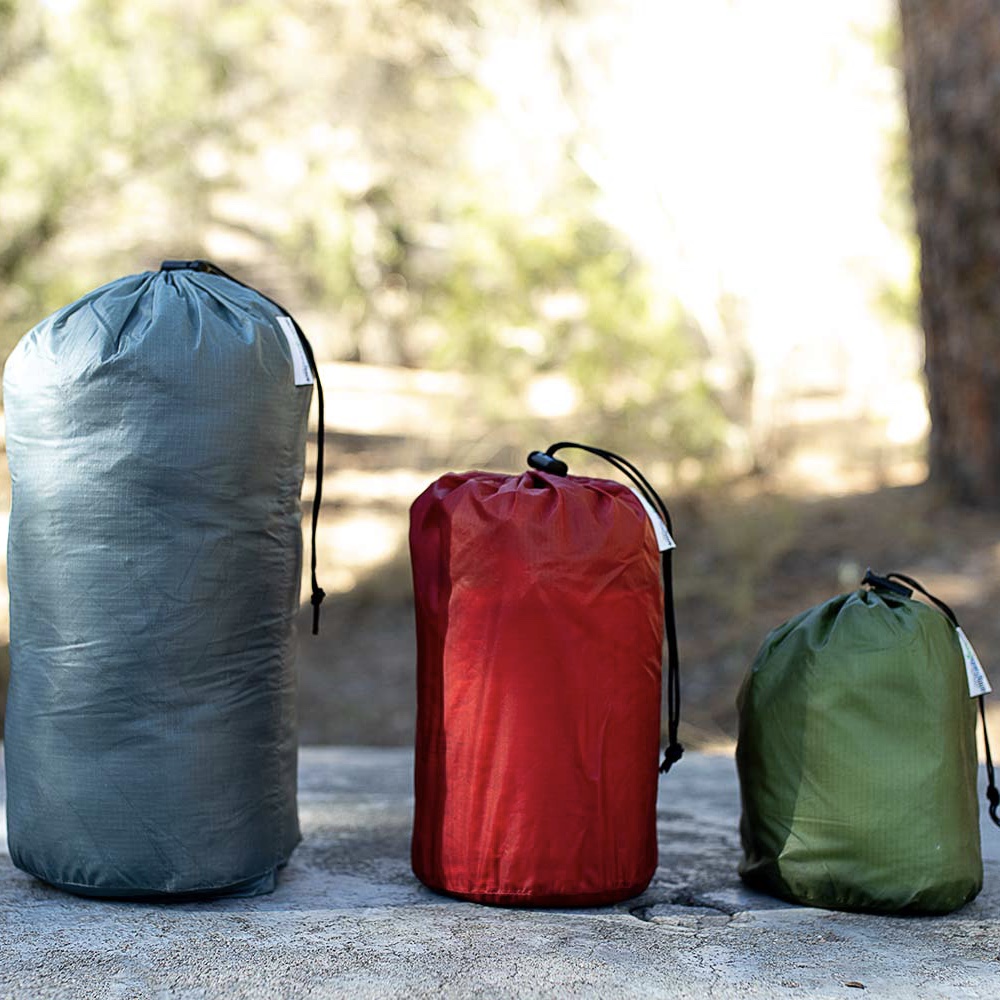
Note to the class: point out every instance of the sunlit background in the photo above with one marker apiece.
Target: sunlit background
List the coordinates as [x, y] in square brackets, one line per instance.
[681, 230]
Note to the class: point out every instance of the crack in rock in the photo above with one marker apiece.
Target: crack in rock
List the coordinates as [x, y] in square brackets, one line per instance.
[683, 910]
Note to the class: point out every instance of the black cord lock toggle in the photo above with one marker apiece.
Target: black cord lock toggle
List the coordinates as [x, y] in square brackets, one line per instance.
[547, 463]
[316, 600]
[671, 755]
[190, 265]
[883, 583]
[993, 797]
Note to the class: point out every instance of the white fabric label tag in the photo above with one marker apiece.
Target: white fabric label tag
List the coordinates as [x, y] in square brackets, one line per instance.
[978, 684]
[663, 539]
[300, 363]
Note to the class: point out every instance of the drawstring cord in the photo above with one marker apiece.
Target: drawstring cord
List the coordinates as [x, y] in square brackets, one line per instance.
[207, 267]
[674, 751]
[992, 793]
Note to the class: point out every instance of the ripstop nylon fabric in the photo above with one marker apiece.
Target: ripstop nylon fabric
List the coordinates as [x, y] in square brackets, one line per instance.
[857, 760]
[539, 643]
[156, 443]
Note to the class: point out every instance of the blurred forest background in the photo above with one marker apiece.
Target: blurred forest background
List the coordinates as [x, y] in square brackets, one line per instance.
[682, 231]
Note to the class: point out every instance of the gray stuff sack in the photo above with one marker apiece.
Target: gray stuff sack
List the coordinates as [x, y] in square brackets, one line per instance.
[156, 434]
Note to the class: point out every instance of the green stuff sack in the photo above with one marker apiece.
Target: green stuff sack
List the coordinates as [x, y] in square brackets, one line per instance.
[857, 757]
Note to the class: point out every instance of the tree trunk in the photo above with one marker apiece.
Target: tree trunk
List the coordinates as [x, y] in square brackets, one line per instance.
[951, 51]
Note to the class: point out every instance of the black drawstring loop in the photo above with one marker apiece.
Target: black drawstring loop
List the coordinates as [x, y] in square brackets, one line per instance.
[909, 581]
[207, 267]
[674, 750]
[992, 793]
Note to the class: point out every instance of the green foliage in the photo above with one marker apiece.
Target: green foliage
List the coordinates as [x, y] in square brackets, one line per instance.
[101, 104]
[321, 150]
[568, 296]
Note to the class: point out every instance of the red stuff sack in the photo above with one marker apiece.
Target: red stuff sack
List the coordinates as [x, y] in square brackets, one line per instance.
[540, 622]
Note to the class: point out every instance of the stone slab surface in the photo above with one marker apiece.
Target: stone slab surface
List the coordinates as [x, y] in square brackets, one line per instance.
[349, 920]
